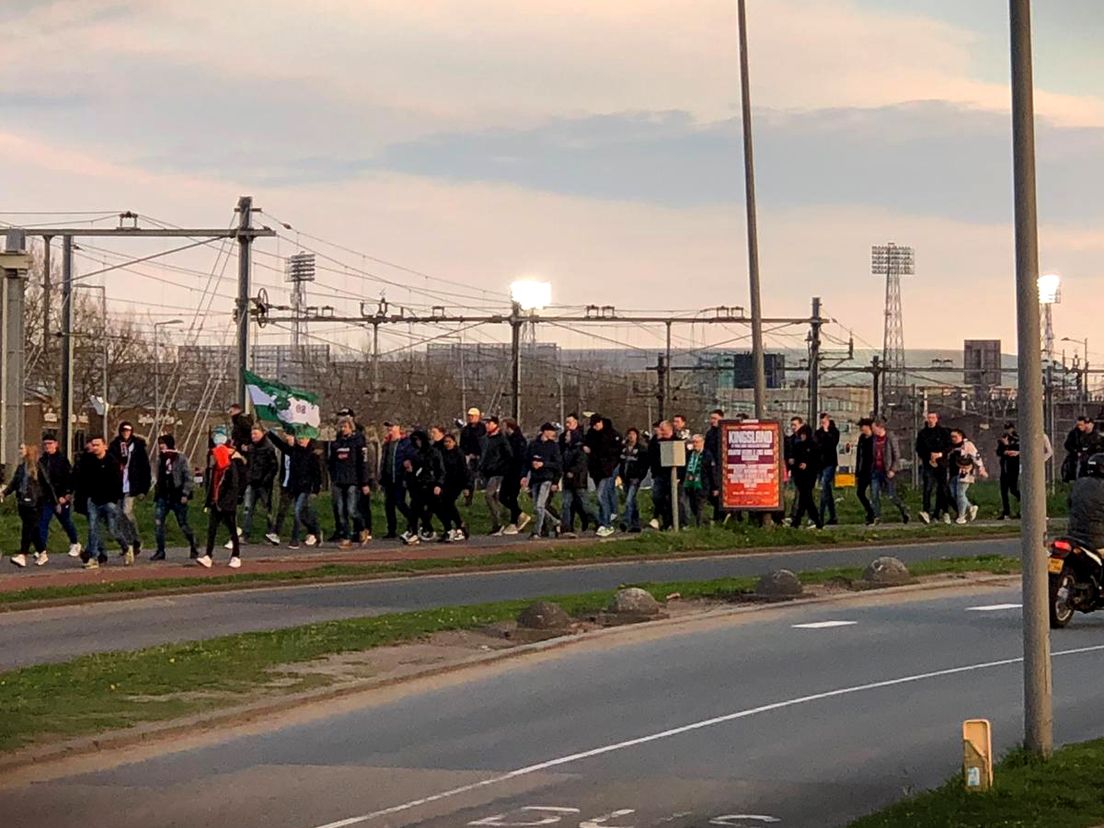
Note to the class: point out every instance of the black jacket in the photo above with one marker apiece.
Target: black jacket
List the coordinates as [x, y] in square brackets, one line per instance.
[548, 453]
[1086, 514]
[1080, 446]
[864, 457]
[713, 441]
[138, 471]
[709, 474]
[225, 489]
[59, 476]
[930, 440]
[457, 477]
[655, 464]
[497, 457]
[345, 461]
[30, 492]
[99, 481]
[574, 460]
[261, 463]
[634, 463]
[1006, 443]
[427, 469]
[519, 448]
[827, 445]
[174, 476]
[605, 451]
[394, 454]
[807, 452]
[304, 468]
[472, 438]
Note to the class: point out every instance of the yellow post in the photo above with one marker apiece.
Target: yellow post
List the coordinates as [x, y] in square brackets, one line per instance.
[977, 754]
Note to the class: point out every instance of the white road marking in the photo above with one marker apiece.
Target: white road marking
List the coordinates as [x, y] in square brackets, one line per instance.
[824, 625]
[736, 819]
[528, 770]
[994, 608]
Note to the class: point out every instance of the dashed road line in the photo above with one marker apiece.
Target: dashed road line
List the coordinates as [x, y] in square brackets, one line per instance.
[824, 625]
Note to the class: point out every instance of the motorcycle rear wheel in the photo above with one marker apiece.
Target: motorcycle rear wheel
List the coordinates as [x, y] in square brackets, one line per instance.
[1061, 613]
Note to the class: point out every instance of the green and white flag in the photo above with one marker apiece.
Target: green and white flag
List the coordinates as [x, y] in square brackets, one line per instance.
[273, 402]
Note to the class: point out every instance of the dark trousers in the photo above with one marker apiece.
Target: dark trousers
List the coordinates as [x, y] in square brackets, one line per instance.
[935, 483]
[1009, 484]
[394, 500]
[161, 510]
[29, 534]
[863, 484]
[509, 493]
[365, 508]
[64, 515]
[696, 499]
[423, 505]
[447, 512]
[806, 505]
[286, 504]
[228, 519]
[661, 499]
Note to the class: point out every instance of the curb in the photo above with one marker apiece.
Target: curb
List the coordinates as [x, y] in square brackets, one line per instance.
[201, 587]
[156, 732]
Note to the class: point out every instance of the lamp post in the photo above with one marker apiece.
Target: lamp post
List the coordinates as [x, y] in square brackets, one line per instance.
[527, 296]
[157, 373]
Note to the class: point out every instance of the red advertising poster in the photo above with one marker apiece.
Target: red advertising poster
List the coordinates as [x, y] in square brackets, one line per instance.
[752, 463]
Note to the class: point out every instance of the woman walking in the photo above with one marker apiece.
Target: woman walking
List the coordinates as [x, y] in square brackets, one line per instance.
[225, 484]
[31, 486]
[966, 466]
[805, 470]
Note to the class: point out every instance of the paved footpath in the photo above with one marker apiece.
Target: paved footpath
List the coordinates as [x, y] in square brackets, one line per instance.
[57, 633]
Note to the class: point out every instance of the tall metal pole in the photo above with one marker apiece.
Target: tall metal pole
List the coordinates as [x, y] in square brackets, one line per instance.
[814, 361]
[245, 245]
[758, 361]
[1038, 713]
[876, 371]
[375, 363]
[515, 354]
[667, 373]
[66, 415]
[103, 312]
[156, 386]
[46, 277]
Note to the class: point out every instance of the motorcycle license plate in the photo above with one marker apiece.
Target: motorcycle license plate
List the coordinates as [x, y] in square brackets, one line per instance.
[1055, 565]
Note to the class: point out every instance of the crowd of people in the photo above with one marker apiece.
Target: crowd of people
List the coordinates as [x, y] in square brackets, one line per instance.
[422, 474]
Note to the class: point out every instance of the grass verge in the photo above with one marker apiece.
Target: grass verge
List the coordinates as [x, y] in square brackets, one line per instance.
[647, 545]
[1062, 793]
[108, 691]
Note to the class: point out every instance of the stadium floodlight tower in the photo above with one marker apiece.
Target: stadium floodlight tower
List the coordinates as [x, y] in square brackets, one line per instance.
[527, 297]
[1050, 294]
[893, 261]
[298, 270]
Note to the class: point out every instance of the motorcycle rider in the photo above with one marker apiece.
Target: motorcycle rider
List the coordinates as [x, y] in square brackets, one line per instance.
[1086, 513]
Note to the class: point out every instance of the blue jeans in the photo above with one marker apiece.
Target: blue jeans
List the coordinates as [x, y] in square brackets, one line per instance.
[962, 502]
[661, 499]
[113, 520]
[255, 494]
[64, 515]
[161, 510]
[632, 511]
[575, 501]
[305, 517]
[827, 496]
[346, 501]
[540, 495]
[880, 484]
[607, 500]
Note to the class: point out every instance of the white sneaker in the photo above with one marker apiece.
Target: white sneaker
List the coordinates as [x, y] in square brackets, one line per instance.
[41, 559]
[604, 531]
[512, 529]
[523, 521]
[960, 520]
[925, 517]
[74, 550]
[973, 512]
[947, 519]
[311, 540]
[427, 535]
[235, 562]
[91, 563]
[273, 538]
[204, 561]
[654, 523]
[228, 545]
[19, 560]
[128, 556]
[239, 531]
[500, 532]
[410, 539]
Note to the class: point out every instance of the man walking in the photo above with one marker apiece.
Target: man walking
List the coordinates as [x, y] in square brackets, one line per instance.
[472, 437]
[933, 445]
[602, 445]
[100, 485]
[261, 467]
[543, 476]
[171, 494]
[396, 451]
[494, 465]
[130, 453]
[575, 479]
[1008, 453]
[1082, 442]
[59, 493]
[348, 479]
[827, 439]
[886, 462]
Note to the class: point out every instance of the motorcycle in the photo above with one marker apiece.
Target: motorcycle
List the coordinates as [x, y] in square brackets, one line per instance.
[1076, 575]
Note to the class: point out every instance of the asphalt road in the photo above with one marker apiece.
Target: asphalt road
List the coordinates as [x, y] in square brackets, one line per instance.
[59, 633]
[795, 727]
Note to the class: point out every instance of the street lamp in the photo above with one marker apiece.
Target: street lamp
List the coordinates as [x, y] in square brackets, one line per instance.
[157, 373]
[530, 296]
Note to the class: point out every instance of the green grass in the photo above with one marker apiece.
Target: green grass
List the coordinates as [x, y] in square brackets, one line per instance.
[731, 538]
[1063, 793]
[107, 691]
[986, 495]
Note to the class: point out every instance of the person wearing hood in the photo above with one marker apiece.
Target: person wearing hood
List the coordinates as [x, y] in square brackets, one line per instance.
[226, 476]
[543, 468]
[29, 484]
[457, 481]
[59, 493]
[130, 452]
[425, 480]
[304, 481]
[602, 445]
[806, 456]
[172, 493]
[575, 480]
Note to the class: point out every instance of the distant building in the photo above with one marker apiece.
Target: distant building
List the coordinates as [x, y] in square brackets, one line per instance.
[981, 363]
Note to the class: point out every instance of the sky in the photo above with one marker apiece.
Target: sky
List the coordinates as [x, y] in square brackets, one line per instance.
[447, 148]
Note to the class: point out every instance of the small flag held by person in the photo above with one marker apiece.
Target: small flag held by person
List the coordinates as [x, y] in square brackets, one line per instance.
[297, 411]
